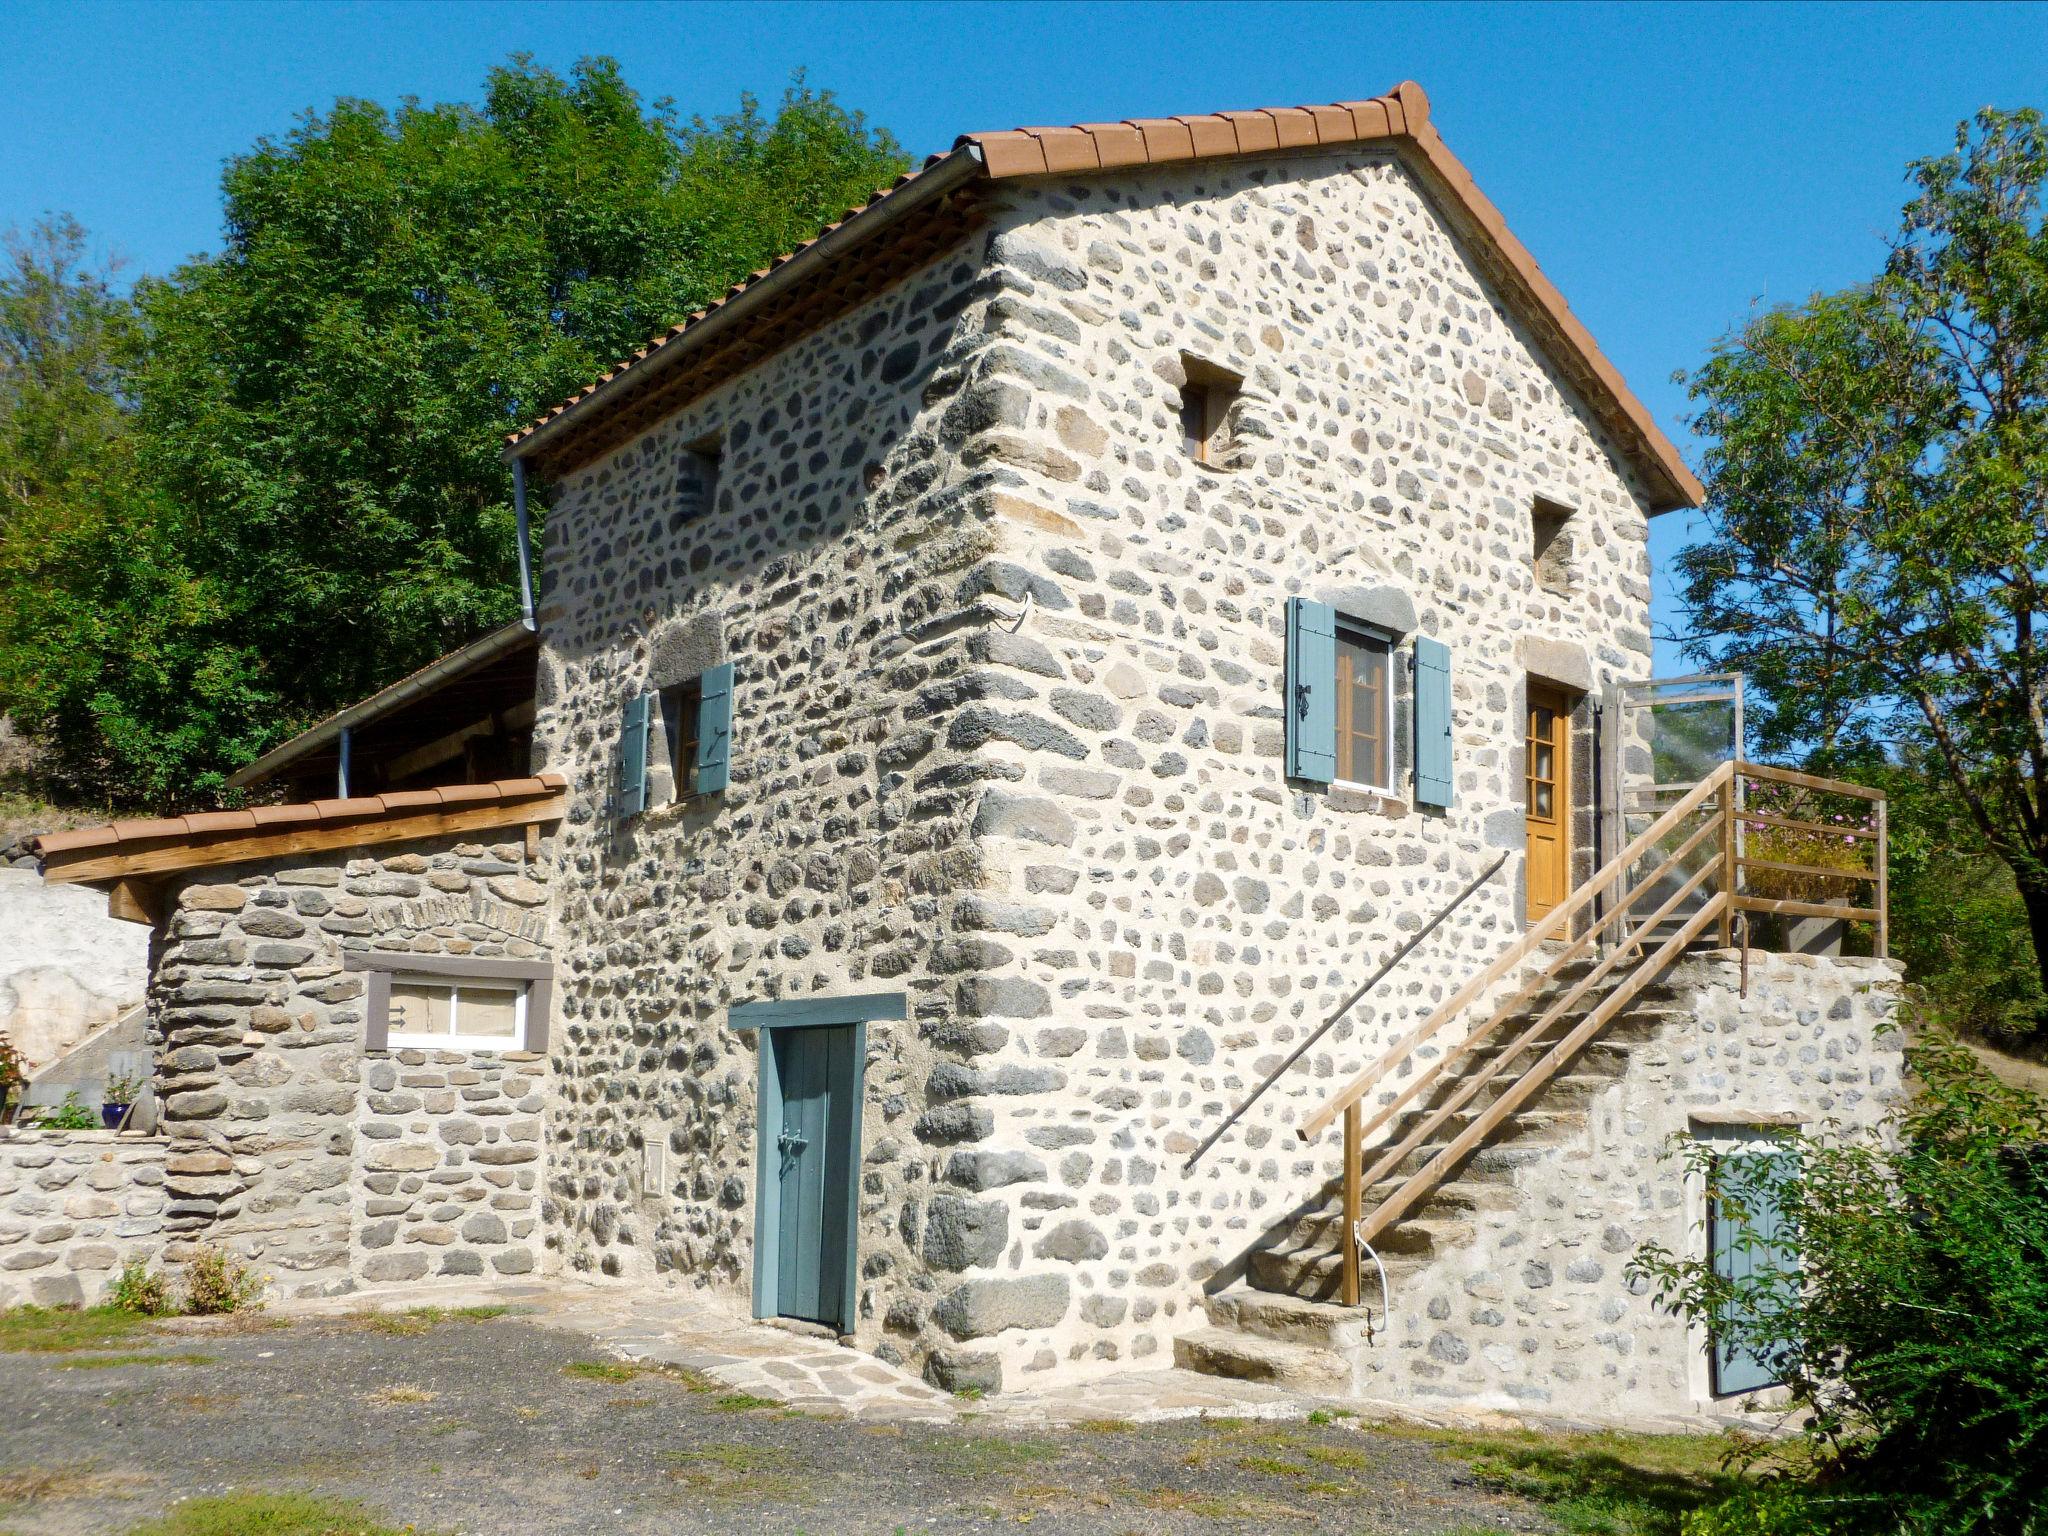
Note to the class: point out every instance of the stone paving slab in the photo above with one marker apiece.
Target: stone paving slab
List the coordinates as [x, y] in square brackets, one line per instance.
[712, 1334]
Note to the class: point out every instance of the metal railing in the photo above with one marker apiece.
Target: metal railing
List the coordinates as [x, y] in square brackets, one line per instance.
[1345, 1007]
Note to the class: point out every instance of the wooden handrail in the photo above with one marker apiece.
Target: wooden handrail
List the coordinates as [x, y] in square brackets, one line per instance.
[1820, 871]
[1436, 1118]
[1808, 781]
[1529, 988]
[1559, 917]
[1537, 1077]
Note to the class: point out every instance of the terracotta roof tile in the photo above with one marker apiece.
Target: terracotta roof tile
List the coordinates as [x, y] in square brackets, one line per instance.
[1401, 115]
[274, 817]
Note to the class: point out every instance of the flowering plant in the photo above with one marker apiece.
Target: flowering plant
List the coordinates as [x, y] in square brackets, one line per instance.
[1832, 849]
[11, 1069]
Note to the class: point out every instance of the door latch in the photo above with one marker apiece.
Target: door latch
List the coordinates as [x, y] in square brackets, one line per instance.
[791, 1142]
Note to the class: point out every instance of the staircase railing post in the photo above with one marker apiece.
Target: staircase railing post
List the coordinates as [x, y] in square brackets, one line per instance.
[1883, 873]
[1730, 875]
[1354, 1155]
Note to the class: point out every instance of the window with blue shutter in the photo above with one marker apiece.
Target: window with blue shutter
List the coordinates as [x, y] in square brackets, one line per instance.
[714, 730]
[1748, 1246]
[1432, 722]
[1311, 684]
[631, 798]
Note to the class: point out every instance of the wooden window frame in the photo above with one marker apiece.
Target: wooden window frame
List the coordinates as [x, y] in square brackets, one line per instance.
[681, 706]
[535, 980]
[1207, 398]
[1353, 634]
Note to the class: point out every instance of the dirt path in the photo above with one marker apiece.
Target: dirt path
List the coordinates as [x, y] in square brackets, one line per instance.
[508, 1425]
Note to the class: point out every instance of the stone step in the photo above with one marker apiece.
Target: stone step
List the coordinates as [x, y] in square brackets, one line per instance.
[1286, 1319]
[1318, 1274]
[1247, 1357]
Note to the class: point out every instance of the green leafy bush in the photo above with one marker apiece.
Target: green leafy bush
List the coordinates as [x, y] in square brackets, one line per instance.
[1912, 1324]
[71, 1115]
[141, 1290]
[1766, 1509]
[216, 1281]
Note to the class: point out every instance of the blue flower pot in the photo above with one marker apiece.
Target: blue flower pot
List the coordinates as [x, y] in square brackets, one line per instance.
[110, 1115]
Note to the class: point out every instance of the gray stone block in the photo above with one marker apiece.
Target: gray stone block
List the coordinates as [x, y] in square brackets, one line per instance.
[979, 1308]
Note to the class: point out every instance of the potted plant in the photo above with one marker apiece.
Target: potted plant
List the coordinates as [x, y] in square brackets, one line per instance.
[122, 1092]
[11, 1072]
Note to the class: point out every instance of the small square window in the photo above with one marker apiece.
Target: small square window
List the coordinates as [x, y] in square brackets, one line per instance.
[700, 482]
[1550, 528]
[680, 706]
[435, 1013]
[1365, 709]
[1206, 400]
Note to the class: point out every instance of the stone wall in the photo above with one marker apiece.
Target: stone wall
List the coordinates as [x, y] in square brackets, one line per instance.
[1163, 914]
[1532, 1310]
[66, 968]
[447, 1180]
[259, 1031]
[75, 1206]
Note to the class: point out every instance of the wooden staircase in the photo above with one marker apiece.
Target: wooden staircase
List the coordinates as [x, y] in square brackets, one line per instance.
[1443, 1143]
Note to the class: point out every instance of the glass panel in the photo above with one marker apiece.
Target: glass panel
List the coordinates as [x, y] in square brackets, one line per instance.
[1544, 800]
[419, 1007]
[487, 1012]
[1544, 761]
[1194, 421]
[1362, 709]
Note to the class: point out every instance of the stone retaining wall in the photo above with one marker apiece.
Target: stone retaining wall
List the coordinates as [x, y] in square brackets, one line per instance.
[75, 1207]
[1532, 1311]
[447, 1180]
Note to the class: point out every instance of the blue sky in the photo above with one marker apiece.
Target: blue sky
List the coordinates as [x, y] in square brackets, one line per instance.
[1669, 165]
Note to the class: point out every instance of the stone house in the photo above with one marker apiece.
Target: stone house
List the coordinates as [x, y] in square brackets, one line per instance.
[1002, 677]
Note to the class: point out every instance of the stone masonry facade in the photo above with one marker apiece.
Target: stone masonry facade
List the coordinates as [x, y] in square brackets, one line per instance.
[1008, 737]
[76, 1206]
[286, 1142]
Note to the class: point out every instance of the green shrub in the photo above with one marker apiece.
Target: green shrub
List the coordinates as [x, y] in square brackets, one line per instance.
[1764, 1509]
[216, 1281]
[141, 1290]
[71, 1115]
[1912, 1324]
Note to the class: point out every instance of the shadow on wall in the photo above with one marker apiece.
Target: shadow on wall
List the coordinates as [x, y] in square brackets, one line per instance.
[66, 968]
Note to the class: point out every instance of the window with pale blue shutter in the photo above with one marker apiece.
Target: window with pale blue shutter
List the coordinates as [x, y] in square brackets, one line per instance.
[1311, 690]
[1432, 723]
[631, 799]
[714, 730]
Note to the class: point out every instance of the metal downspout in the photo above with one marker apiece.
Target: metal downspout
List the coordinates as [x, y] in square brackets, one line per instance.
[525, 544]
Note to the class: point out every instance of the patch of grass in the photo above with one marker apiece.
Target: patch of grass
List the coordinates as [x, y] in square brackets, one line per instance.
[734, 1471]
[1273, 1466]
[1105, 1426]
[741, 1402]
[54, 1330]
[115, 1362]
[601, 1370]
[1217, 1506]
[1609, 1484]
[400, 1393]
[986, 1455]
[267, 1514]
[1348, 1457]
[417, 1320]
[42, 1485]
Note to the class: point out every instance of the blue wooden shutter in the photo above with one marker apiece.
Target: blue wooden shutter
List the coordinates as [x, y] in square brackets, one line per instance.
[1741, 1252]
[1311, 691]
[714, 730]
[632, 798]
[1432, 722]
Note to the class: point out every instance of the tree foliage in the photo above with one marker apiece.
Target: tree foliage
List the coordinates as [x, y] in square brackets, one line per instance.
[1877, 549]
[314, 500]
[1904, 1299]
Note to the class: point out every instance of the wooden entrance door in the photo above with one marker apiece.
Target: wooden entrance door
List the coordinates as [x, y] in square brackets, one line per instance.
[819, 1074]
[1547, 802]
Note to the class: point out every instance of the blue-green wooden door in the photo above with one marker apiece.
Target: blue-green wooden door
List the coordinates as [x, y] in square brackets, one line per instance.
[1743, 1255]
[814, 1172]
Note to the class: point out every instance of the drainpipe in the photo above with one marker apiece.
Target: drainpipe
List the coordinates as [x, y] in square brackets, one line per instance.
[341, 784]
[525, 544]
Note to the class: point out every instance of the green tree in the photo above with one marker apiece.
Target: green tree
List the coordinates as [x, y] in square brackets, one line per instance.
[320, 408]
[1876, 556]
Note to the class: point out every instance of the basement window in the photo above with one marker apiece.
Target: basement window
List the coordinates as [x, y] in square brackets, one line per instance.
[438, 1013]
[1206, 400]
[1550, 526]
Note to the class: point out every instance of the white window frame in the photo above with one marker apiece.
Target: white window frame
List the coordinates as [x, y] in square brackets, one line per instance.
[453, 1041]
[1357, 630]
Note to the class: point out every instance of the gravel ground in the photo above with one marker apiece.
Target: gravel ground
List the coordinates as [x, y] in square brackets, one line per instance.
[487, 1426]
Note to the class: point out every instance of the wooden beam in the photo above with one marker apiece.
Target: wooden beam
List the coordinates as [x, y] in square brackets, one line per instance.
[134, 901]
[242, 847]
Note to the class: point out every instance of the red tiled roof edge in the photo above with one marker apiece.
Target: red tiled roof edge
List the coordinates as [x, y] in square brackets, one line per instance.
[1401, 116]
[280, 818]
